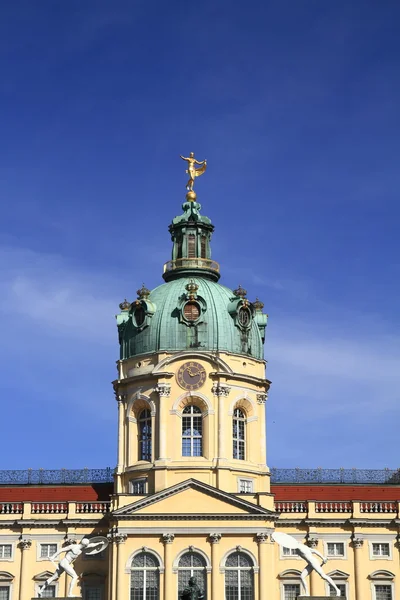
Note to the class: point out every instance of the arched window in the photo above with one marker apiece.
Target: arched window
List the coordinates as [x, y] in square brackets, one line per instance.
[239, 579]
[145, 435]
[192, 426]
[145, 577]
[239, 434]
[192, 564]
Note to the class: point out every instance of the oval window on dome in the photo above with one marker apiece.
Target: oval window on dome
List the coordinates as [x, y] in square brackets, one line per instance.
[191, 311]
[244, 317]
[139, 316]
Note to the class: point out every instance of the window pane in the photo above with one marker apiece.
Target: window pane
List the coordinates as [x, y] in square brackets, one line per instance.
[192, 564]
[291, 591]
[380, 549]
[5, 551]
[191, 246]
[92, 593]
[4, 592]
[49, 592]
[383, 592]
[335, 549]
[231, 585]
[203, 246]
[342, 588]
[47, 550]
[192, 428]
[144, 577]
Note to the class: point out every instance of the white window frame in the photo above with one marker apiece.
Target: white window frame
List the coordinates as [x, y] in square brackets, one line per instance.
[132, 482]
[290, 556]
[334, 556]
[247, 480]
[382, 581]
[11, 558]
[39, 584]
[372, 556]
[39, 549]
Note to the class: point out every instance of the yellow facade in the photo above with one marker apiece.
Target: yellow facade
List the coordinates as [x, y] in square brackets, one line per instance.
[192, 493]
[193, 505]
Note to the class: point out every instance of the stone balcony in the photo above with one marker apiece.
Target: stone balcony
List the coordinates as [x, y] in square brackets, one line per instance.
[336, 509]
[20, 511]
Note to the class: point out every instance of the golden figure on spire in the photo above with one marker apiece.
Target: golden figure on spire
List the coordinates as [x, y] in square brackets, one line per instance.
[192, 171]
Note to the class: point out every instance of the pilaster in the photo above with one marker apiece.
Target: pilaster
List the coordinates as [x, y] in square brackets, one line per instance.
[24, 545]
[168, 539]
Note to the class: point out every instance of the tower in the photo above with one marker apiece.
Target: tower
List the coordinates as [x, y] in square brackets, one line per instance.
[191, 385]
[191, 394]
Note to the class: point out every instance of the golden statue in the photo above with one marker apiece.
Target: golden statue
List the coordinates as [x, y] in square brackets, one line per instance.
[192, 171]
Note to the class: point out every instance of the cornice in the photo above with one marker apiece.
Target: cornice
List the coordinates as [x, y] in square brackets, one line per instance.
[194, 517]
[264, 383]
[338, 522]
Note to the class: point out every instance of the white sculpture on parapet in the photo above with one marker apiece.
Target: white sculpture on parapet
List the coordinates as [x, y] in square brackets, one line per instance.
[72, 552]
[287, 541]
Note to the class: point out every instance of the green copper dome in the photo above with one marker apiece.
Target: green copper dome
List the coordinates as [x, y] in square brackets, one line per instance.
[191, 310]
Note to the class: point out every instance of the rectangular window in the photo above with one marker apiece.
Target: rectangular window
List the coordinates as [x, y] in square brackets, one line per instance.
[342, 588]
[139, 486]
[291, 591]
[4, 592]
[49, 592]
[335, 548]
[381, 550]
[47, 550]
[5, 551]
[191, 245]
[203, 247]
[289, 552]
[245, 486]
[383, 592]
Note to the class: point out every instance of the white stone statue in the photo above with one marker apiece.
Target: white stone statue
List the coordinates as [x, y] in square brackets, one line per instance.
[71, 554]
[287, 541]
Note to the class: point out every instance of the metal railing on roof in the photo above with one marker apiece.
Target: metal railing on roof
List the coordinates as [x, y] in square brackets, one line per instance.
[347, 476]
[56, 476]
[288, 476]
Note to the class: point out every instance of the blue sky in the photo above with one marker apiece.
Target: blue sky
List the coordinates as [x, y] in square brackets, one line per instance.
[296, 107]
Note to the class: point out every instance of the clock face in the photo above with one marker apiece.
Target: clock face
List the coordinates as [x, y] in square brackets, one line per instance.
[191, 376]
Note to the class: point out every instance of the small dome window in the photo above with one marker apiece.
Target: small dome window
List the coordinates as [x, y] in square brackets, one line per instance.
[139, 316]
[191, 311]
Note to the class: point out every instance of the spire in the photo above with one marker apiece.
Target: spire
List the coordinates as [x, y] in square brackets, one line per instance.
[191, 235]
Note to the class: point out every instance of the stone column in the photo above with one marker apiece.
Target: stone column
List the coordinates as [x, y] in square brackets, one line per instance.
[357, 545]
[214, 539]
[221, 391]
[164, 391]
[312, 541]
[24, 544]
[263, 564]
[168, 538]
[120, 538]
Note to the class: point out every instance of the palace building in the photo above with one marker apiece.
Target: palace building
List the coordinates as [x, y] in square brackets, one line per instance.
[191, 495]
